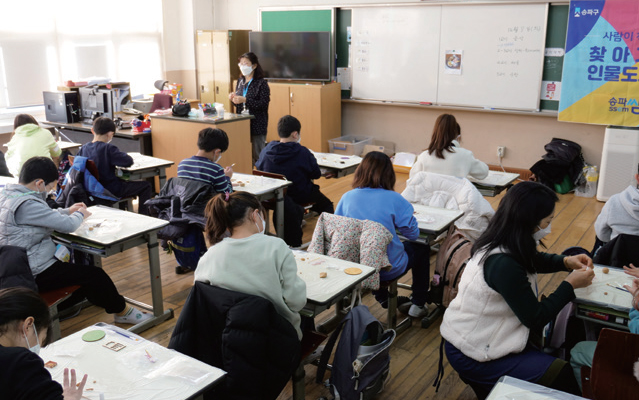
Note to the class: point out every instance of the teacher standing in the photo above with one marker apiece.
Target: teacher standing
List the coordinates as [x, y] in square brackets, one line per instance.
[252, 95]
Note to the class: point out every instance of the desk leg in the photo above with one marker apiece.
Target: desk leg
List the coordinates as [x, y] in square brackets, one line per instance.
[279, 223]
[159, 315]
[162, 178]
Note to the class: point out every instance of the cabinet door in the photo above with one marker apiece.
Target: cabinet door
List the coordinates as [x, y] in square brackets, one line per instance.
[205, 74]
[306, 106]
[222, 85]
[277, 108]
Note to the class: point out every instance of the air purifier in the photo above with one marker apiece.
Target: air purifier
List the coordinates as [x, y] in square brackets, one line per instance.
[618, 161]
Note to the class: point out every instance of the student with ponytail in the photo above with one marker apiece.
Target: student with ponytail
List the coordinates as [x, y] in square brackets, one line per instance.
[243, 259]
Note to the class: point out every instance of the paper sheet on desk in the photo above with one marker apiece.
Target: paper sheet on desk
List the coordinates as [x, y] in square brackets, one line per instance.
[100, 229]
[309, 267]
[600, 292]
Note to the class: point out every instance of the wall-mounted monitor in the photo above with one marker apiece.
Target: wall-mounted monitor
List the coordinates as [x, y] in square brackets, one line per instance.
[95, 102]
[293, 55]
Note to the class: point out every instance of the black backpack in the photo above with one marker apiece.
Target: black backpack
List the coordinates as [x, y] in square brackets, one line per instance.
[182, 109]
[361, 364]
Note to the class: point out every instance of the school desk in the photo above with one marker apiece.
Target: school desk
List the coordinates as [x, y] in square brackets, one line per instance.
[604, 302]
[145, 167]
[123, 365]
[512, 388]
[265, 189]
[72, 147]
[109, 231]
[494, 183]
[322, 293]
[433, 221]
[336, 165]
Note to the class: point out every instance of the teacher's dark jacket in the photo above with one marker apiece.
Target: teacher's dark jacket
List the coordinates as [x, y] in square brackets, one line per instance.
[243, 335]
[258, 96]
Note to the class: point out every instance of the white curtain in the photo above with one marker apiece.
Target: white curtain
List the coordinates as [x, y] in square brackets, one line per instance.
[44, 43]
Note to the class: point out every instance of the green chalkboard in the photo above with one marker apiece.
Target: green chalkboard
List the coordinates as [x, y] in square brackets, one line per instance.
[555, 38]
[297, 21]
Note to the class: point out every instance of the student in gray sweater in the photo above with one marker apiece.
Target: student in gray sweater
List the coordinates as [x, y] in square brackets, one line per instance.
[27, 221]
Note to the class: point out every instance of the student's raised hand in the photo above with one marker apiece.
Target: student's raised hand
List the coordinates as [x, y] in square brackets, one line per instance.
[578, 261]
[228, 171]
[631, 270]
[71, 391]
[580, 278]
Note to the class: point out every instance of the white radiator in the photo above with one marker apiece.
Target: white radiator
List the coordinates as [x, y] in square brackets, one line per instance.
[618, 161]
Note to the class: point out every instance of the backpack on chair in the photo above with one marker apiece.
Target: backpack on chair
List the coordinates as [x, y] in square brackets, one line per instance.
[361, 365]
[453, 255]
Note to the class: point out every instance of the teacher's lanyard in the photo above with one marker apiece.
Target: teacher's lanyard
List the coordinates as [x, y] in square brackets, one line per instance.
[246, 87]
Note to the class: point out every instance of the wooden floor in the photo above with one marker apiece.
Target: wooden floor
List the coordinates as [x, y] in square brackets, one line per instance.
[415, 353]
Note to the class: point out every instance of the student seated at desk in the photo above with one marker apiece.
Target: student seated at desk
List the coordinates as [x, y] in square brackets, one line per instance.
[27, 221]
[106, 157]
[29, 140]
[373, 197]
[203, 166]
[288, 157]
[582, 354]
[444, 154]
[24, 326]
[494, 325]
[249, 261]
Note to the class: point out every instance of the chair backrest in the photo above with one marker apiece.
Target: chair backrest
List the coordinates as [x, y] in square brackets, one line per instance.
[613, 366]
[242, 334]
[90, 165]
[620, 251]
[273, 175]
[350, 239]
[450, 192]
[161, 101]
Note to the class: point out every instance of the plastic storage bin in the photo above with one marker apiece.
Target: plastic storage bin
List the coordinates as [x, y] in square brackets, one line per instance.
[349, 145]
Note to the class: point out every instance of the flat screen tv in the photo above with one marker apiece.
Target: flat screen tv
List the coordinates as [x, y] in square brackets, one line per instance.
[293, 55]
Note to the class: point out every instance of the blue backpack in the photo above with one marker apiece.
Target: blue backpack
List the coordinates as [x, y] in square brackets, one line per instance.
[361, 365]
[189, 248]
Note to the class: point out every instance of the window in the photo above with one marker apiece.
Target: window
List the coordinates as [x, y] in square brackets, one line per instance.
[44, 43]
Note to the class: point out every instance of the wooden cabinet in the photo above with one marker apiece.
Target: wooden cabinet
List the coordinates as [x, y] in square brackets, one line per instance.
[216, 54]
[317, 106]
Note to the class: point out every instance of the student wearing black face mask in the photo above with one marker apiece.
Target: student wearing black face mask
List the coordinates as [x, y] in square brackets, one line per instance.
[24, 326]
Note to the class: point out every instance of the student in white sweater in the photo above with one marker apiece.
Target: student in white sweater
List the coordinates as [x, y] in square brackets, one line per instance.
[494, 325]
[445, 156]
[248, 261]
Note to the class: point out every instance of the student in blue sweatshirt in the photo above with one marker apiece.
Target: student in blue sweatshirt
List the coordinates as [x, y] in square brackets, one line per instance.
[106, 157]
[289, 158]
[373, 197]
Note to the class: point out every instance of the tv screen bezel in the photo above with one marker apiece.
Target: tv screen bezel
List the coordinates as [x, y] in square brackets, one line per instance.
[331, 60]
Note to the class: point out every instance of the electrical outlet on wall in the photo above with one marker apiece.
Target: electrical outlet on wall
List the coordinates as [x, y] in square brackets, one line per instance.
[501, 151]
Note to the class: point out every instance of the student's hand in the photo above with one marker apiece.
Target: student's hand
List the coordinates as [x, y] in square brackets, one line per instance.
[632, 270]
[76, 207]
[85, 212]
[580, 278]
[634, 291]
[228, 171]
[69, 389]
[578, 261]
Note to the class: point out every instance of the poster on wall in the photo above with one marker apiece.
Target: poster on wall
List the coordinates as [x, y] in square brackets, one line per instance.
[453, 62]
[600, 83]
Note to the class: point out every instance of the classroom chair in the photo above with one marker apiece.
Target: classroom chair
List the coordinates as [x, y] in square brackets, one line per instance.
[611, 376]
[242, 334]
[15, 271]
[161, 102]
[363, 242]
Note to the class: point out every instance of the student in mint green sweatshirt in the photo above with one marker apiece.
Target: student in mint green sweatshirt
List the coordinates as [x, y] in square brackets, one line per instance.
[29, 140]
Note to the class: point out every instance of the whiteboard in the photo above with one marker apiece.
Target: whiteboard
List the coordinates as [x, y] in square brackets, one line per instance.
[502, 55]
[399, 53]
[393, 53]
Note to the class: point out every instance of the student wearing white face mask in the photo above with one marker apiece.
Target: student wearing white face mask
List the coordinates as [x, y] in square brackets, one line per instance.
[24, 325]
[494, 325]
[204, 165]
[243, 259]
[253, 95]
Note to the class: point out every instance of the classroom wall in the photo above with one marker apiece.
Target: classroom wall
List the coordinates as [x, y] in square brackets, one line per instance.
[409, 127]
